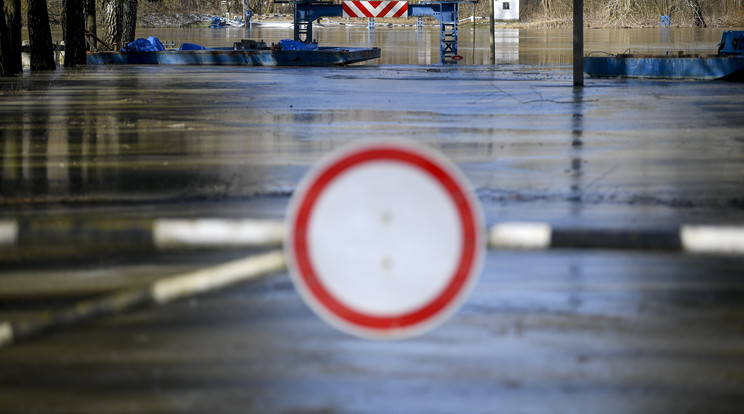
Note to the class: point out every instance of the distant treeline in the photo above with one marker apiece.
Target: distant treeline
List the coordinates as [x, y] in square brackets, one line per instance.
[636, 13]
[233, 7]
[598, 13]
[601, 13]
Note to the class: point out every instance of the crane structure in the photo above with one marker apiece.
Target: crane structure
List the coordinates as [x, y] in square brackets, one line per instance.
[444, 11]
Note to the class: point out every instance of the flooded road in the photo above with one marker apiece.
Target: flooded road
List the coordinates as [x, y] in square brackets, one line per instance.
[560, 331]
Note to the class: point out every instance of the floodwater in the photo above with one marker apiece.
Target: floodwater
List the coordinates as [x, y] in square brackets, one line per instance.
[403, 44]
[559, 331]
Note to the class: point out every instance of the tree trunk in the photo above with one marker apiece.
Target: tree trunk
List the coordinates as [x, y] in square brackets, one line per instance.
[546, 6]
[129, 21]
[40, 36]
[697, 13]
[75, 41]
[12, 50]
[256, 6]
[4, 41]
[112, 23]
[63, 20]
[90, 22]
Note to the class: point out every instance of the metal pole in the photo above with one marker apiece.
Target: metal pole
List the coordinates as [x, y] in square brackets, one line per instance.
[578, 42]
[472, 15]
[491, 37]
[159, 292]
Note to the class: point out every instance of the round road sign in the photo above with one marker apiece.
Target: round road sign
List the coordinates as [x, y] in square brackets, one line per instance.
[384, 241]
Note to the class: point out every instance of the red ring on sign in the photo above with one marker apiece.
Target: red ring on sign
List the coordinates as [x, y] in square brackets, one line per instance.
[466, 262]
[457, 57]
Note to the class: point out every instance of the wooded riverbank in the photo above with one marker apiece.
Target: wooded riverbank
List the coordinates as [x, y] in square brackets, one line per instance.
[534, 13]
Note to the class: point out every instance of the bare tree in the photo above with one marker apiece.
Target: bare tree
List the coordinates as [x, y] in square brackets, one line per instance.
[11, 43]
[4, 42]
[112, 23]
[90, 21]
[697, 13]
[40, 36]
[129, 20]
[261, 6]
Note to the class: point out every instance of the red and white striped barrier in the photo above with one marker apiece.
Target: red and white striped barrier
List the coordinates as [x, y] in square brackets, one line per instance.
[174, 234]
[375, 8]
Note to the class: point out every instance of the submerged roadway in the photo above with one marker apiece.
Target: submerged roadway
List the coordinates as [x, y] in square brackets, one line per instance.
[559, 331]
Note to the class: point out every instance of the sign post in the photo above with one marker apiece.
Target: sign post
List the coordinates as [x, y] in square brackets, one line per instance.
[384, 241]
[578, 42]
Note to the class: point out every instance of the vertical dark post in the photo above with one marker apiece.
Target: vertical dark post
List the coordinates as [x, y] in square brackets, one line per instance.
[492, 36]
[578, 42]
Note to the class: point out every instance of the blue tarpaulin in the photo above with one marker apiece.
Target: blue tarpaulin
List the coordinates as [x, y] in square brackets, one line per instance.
[191, 46]
[153, 44]
[144, 45]
[216, 23]
[156, 42]
[289, 44]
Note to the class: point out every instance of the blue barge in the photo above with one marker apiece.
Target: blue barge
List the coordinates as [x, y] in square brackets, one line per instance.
[728, 64]
[322, 56]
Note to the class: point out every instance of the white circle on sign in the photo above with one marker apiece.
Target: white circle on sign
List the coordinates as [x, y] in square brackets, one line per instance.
[384, 270]
[384, 240]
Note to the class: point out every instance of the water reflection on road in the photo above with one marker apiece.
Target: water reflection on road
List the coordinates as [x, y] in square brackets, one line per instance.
[521, 133]
[564, 331]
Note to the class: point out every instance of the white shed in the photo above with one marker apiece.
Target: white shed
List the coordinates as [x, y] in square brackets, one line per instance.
[506, 9]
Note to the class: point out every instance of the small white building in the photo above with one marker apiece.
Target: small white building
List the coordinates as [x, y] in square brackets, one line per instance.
[506, 9]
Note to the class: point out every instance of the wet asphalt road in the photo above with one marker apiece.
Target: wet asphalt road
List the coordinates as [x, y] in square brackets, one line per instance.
[566, 331]
[542, 332]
